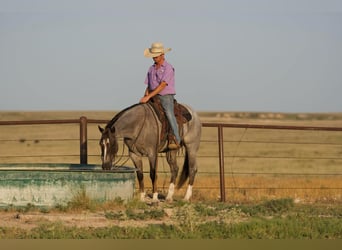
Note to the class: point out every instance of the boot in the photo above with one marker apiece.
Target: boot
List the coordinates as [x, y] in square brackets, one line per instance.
[172, 143]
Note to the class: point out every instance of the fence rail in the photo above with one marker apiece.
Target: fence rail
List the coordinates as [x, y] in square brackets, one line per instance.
[83, 139]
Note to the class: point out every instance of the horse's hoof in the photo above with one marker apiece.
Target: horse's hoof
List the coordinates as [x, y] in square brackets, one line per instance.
[155, 203]
[142, 197]
[169, 199]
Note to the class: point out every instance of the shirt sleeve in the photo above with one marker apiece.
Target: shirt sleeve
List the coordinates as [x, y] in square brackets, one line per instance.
[147, 79]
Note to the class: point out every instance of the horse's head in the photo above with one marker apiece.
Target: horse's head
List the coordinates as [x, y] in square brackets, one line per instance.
[109, 147]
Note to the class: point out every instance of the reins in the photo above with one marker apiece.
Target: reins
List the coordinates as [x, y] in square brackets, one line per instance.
[156, 120]
[121, 156]
[123, 142]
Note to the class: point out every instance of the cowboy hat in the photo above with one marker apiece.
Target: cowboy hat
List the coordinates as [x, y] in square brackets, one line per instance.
[156, 50]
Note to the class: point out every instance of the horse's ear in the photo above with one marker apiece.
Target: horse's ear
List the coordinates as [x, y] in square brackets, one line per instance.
[101, 129]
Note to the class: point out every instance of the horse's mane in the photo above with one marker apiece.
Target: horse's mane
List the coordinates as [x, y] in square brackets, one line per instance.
[110, 124]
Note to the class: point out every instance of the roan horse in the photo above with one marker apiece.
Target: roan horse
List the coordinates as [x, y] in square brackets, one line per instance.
[140, 129]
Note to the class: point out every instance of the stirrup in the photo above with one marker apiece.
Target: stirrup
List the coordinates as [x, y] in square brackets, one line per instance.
[173, 146]
[173, 143]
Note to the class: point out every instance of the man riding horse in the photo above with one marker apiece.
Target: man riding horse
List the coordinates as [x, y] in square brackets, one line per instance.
[144, 130]
[160, 81]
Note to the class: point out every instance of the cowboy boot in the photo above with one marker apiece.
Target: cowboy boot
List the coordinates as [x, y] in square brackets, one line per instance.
[172, 143]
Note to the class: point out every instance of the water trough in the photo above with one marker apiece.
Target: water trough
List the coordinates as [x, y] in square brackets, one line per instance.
[49, 185]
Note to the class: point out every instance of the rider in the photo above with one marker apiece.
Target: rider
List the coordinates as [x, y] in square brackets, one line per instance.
[160, 80]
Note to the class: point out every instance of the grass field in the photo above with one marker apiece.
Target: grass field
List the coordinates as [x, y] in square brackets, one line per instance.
[83, 219]
[259, 164]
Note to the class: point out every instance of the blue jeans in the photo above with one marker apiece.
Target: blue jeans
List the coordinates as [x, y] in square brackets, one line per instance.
[167, 102]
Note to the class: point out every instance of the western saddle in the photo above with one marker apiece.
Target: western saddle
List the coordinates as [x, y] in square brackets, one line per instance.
[182, 116]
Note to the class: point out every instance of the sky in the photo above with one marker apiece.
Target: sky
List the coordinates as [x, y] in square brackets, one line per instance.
[228, 55]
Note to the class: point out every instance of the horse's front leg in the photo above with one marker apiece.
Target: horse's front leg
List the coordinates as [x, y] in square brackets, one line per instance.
[153, 175]
[137, 161]
[171, 157]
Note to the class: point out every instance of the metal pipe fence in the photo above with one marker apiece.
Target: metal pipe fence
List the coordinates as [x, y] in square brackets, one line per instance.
[220, 140]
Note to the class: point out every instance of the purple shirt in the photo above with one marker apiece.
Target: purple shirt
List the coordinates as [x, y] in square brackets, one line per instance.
[165, 73]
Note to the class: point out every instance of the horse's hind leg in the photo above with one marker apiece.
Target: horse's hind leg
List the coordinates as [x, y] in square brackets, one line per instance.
[140, 175]
[153, 174]
[192, 164]
[171, 157]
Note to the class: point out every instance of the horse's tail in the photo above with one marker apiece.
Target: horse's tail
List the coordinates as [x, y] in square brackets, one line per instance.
[185, 171]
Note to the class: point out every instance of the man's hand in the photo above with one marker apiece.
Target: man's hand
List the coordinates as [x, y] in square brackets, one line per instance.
[149, 95]
[145, 99]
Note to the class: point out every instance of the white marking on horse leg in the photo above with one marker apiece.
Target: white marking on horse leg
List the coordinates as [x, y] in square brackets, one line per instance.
[188, 193]
[170, 193]
[142, 196]
[155, 197]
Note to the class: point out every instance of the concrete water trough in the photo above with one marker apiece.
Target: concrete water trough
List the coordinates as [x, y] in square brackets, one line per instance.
[57, 184]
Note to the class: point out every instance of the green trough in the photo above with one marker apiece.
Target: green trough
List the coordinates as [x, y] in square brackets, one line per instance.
[49, 185]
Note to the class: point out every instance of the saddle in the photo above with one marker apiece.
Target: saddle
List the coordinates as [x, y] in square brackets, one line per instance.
[181, 113]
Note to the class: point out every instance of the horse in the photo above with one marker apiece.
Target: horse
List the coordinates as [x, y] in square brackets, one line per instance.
[140, 128]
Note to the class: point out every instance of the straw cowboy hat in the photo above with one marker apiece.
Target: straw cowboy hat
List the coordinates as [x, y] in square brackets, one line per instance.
[156, 50]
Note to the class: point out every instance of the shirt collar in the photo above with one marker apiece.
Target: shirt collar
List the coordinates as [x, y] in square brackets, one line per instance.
[163, 65]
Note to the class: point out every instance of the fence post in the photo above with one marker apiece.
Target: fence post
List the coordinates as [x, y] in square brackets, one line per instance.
[221, 158]
[83, 140]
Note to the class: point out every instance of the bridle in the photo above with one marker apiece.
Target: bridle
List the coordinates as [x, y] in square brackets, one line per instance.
[116, 161]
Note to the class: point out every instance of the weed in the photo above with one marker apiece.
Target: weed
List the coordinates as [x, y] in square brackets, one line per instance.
[44, 210]
[156, 213]
[111, 215]
[279, 205]
[136, 204]
[232, 215]
[188, 218]
[269, 207]
[139, 214]
[82, 201]
[204, 210]
[24, 209]
[62, 208]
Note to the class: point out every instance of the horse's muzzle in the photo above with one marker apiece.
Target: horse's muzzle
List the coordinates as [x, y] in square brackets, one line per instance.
[106, 166]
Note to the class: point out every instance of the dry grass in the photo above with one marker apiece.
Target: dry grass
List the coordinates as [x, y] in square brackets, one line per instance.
[250, 189]
[259, 164]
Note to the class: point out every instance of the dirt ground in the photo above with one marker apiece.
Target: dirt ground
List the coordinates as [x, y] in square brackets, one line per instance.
[29, 220]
